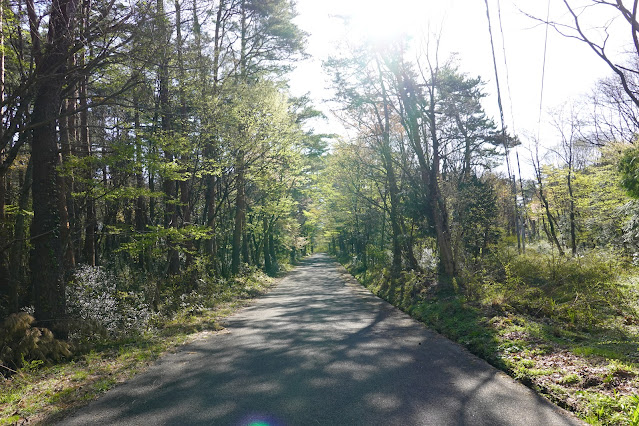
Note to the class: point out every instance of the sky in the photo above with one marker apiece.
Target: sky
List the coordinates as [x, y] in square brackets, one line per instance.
[571, 70]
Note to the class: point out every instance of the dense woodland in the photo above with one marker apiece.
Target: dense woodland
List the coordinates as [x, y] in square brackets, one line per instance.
[151, 136]
[151, 151]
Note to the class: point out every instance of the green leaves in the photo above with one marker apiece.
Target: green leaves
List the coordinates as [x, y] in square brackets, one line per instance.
[629, 169]
[155, 237]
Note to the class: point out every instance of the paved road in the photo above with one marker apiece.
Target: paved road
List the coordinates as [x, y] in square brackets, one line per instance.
[321, 350]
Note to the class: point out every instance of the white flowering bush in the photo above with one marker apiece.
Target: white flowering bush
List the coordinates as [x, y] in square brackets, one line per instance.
[192, 301]
[93, 297]
[428, 259]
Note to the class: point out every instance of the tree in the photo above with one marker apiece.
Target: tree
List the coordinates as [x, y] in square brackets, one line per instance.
[549, 226]
[596, 38]
[569, 129]
[51, 66]
[267, 37]
[425, 123]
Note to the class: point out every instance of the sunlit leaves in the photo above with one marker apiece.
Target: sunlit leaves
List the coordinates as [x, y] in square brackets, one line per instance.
[629, 169]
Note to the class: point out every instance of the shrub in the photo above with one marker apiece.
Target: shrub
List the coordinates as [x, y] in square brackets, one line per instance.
[93, 298]
[580, 291]
[21, 343]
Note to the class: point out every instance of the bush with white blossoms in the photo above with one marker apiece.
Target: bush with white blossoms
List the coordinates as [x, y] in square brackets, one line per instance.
[93, 296]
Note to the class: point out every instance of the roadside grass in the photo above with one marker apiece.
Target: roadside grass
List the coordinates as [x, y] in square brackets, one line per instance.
[567, 328]
[41, 394]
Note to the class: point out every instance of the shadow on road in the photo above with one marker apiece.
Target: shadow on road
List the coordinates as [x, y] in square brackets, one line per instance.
[317, 350]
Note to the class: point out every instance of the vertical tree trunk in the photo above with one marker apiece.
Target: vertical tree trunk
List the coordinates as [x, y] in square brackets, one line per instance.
[5, 285]
[17, 249]
[408, 96]
[271, 250]
[396, 266]
[169, 185]
[91, 222]
[551, 232]
[523, 210]
[387, 161]
[408, 247]
[573, 228]
[240, 215]
[75, 207]
[210, 247]
[438, 204]
[67, 207]
[46, 257]
[140, 205]
[211, 151]
[185, 184]
[65, 228]
[240, 200]
[268, 265]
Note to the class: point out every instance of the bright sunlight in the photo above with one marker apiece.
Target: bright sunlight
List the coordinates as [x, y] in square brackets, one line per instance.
[376, 20]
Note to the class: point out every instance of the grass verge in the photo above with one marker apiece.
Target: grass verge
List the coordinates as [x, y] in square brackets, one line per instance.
[39, 394]
[581, 356]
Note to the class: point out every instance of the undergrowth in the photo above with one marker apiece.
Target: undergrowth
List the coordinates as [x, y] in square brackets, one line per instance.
[566, 327]
[41, 390]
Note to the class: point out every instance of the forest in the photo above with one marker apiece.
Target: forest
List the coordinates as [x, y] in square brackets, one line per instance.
[154, 166]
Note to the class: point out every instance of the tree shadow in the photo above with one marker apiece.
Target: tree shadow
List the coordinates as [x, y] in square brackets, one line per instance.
[319, 350]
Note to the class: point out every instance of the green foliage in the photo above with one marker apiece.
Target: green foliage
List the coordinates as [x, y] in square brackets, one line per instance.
[601, 204]
[609, 410]
[155, 238]
[634, 418]
[459, 321]
[42, 390]
[475, 212]
[570, 379]
[629, 169]
[580, 292]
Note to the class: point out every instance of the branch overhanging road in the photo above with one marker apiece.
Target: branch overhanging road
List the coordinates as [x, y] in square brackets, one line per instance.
[320, 349]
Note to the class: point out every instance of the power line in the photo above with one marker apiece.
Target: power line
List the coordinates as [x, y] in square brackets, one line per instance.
[511, 177]
[499, 103]
[503, 46]
[543, 72]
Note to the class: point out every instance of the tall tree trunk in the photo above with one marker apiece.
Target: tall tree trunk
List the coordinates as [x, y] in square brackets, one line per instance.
[91, 222]
[46, 257]
[140, 205]
[185, 184]
[210, 247]
[240, 215]
[65, 228]
[551, 232]
[408, 96]
[66, 188]
[438, 204]
[429, 170]
[268, 265]
[408, 248]
[271, 249]
[169, 185]
[17, 249]
[396, 266]
[573, 228]
[387, 161]
[5, 284]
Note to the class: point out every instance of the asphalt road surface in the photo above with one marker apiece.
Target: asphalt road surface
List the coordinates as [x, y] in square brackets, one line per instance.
[321, 350]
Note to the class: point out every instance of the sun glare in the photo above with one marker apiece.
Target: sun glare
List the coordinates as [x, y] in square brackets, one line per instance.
[380, 19]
